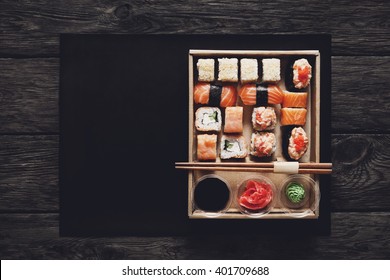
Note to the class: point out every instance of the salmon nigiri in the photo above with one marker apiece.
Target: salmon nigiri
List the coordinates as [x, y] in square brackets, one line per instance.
[233, 119]
[252, 94]
[207, 147]
[294, 99]
[215, 95]
[293, 116]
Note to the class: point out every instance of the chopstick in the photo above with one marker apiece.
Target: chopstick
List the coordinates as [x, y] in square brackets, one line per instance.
[308, 165]
[304, 168]
[253, 169]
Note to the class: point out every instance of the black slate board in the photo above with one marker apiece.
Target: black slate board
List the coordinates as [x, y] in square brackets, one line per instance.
[124, 122]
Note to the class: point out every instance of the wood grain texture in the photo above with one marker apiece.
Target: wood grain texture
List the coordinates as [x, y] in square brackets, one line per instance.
[29, 95]
[31, 28]
[360, 94]
[29, 173]
[360, 27]
[354, 236]
[361, 172]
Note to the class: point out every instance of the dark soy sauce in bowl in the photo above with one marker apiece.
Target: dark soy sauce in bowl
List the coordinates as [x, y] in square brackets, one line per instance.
[211, 194]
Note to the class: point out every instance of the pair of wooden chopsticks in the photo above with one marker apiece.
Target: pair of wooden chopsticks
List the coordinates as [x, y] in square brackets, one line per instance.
[304, 168]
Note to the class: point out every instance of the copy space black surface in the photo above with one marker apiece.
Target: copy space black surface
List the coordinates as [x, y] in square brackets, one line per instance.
[124, 122]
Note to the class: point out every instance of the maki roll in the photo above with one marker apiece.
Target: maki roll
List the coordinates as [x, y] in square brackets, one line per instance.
[205, 69]
[271, 70]
[233, 119]
[299, 73]
[228, 69]
[293, 116]
[295, 99]
[249, 71]
[263, 144]
[215, 95]
[263, 118]
[206, 147]
[233, 147]
[295, 142]
[208, 119]
[261, 94]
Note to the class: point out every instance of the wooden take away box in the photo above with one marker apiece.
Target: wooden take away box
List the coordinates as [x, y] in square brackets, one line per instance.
[234, 178]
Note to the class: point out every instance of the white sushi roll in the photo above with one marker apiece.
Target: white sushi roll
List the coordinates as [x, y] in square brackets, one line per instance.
[208, 119]
[263, 118]
[233, 147]
[228, 69]
[248, 70]
[263, 144]
[205, 69]
[271, 70]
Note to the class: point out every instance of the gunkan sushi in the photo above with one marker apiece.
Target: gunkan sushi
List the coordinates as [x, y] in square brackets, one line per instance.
[298, 75]
[215, 95]
[263, 118]
[208, 119]
[233, 119]
[261, 94]
[206, 147]
[233, 147]
[295, 142]
[293, 116]
[263, 144]
[294, 99]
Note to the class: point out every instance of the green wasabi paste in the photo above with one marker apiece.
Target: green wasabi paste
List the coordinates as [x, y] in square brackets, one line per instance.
[295, 192]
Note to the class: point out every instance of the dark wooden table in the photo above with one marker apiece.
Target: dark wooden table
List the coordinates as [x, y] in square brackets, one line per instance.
[29, 89]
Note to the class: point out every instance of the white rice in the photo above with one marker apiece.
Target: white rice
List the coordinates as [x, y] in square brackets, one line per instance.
[205, 69]
[271, 69]
[228, 69]
[249, 72]
[237, 149]
[203, 121]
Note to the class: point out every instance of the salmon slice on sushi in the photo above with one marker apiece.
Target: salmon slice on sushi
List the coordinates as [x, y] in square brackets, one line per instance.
[294, 99]
[293, 116]
[261, 94]
[206, 147]
[215, 95]
[233, 119]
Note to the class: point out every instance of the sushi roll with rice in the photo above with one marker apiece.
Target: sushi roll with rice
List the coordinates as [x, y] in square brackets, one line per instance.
[271, 70]
[263, 118]
[208, 119]
[206, 147]
[215, 95]
[233, 147]
[263, 144]
[248, 70]
[233, 119]
[228, 69]
[205, 69]
[261, 94]
[293, 116]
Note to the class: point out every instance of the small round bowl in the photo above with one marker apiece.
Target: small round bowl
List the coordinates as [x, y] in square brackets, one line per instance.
[310, 201]
[206, 196]
[256, 213]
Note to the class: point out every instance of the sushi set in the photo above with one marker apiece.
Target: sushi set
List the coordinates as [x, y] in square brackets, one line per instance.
[254, 134]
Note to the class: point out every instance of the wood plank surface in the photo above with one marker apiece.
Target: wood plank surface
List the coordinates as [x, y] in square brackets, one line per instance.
[31, 28]
[29, 95]
[354, 236]
[29, 173]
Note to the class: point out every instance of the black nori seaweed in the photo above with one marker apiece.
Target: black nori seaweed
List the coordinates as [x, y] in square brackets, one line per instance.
[286, 134]
[261, 95]
[215, 95]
